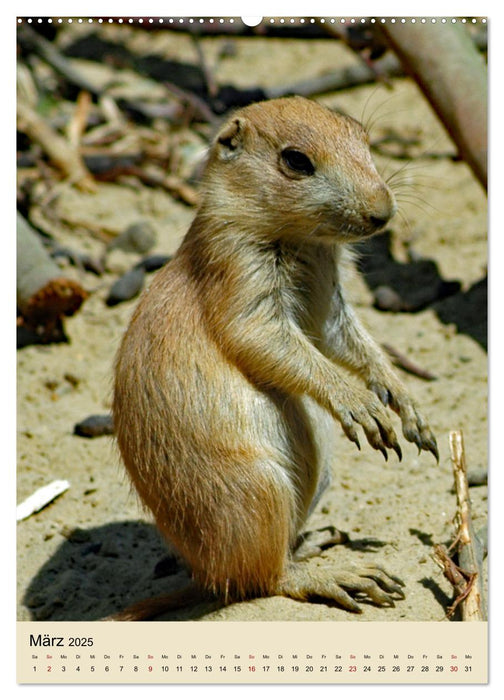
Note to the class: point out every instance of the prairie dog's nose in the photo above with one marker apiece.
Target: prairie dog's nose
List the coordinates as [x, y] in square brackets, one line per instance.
[378, 222]
[382, 207]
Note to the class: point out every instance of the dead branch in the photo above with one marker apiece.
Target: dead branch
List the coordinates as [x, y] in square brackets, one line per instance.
[77, 125]
[350, 76]
[171, 183]
[196, 105]
[469, 549]
[447, 66]
[296, 28]
[62, 155]
[462, 581]
[466, 576]
[33, 41]
[211, 85]
[400, 360]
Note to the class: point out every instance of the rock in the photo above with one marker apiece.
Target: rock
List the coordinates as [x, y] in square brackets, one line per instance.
[126, 287]
[95, 426]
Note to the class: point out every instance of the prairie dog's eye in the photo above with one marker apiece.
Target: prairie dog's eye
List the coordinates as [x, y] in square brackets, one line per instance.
[297, 161]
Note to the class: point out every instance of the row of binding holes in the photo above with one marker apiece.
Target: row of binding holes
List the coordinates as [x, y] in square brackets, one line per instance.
[281, 20]
[382, 20]
[120, 20]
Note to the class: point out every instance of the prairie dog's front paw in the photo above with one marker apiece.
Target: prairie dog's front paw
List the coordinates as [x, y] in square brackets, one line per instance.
[356, 407]
[415, 428]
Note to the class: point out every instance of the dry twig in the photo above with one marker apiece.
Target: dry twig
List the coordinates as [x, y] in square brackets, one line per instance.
[48, 52]
[469, 554]
[400, 360]
[462, 581]
[466, 577]
[57, 148]
[350, 76]
[77, 125]
[171, 183]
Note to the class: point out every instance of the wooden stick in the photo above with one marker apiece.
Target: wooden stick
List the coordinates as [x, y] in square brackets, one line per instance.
[350, 76]
[33, 41]
[470, 559]
[211, 85]
[171, 183]
[400, 360]
[451, 72]
[57, 148]
[77, 125]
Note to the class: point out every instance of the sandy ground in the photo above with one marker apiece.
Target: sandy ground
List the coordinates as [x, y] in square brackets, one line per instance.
[93, 550]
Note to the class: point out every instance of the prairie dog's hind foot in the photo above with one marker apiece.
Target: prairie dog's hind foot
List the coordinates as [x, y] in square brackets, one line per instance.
[369, 583]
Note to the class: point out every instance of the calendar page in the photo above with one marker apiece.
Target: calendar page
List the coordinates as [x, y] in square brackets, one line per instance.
[252, 349]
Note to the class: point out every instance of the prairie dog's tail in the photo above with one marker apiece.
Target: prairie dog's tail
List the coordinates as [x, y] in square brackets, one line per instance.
[151, 608]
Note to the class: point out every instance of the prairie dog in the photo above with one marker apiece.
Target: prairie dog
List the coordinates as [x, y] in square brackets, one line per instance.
[227, 383]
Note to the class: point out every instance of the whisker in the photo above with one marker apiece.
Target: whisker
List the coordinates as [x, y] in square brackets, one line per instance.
[363, 119]
[407, 224]
[408, 181]
[421, 204]
[375, 117]
[405, 166]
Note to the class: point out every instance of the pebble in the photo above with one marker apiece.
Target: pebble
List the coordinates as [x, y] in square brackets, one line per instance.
[95, 426]
[154, 262]
[140, 237]
[477, 477]
[387, 299]
[126, 287]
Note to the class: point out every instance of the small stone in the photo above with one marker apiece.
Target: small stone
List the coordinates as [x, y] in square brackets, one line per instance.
[95, 426]
[126, 287]
[387, 299]
[154, 262]
[140, 237]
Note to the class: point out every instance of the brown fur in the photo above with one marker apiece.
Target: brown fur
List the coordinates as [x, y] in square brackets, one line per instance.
[227, 383]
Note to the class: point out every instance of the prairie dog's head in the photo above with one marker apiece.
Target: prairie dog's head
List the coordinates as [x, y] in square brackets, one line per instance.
[292, 168]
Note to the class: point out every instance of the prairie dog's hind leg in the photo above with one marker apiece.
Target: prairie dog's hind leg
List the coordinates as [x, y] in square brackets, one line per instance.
[237, 537]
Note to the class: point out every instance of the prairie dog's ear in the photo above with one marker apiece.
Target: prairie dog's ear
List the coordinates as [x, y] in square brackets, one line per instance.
[230, 139]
